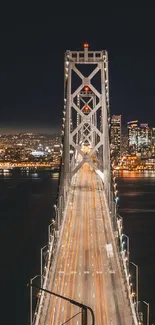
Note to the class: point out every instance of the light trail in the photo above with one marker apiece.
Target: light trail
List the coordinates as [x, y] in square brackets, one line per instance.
[83, 269]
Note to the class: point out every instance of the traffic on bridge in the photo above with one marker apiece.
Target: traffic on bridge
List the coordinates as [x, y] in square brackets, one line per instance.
[86, 268]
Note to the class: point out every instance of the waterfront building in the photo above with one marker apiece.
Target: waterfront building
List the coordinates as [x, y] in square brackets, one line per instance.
[115, 136]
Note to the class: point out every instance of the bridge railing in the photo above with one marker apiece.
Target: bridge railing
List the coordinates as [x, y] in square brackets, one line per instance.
[124, 261]
[45, 277]
[117, 227]
[117, 224]
[60, 211]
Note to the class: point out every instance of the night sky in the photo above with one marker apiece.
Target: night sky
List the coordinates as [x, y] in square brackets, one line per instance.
[32, 63]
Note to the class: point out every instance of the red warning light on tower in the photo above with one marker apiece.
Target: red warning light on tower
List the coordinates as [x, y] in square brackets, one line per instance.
[86, 88]
[86, 109]
[86, 45]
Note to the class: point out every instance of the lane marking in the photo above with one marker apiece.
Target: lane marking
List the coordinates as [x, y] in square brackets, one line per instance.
[73, 272]
[109, 250]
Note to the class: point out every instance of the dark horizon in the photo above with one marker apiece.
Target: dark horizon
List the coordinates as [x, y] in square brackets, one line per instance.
[32, 65]
[46, 129]
[13, 129]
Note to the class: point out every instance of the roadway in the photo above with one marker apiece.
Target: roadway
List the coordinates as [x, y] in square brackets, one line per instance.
[86, 268]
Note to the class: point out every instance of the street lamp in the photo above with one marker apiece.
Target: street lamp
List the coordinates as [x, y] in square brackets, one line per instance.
[84, 308]
[57, 212]
[41, 263]
[119, 223]
[128, 250]
[31, 280]
[128, 245]
[52, 224]
[137, 285]
[49, 232]
[148, 311]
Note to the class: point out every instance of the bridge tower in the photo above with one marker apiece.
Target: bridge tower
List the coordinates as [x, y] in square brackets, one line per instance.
[86, 117]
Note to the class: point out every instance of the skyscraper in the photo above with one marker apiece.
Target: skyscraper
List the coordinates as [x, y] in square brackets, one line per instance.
[132, 136]
[139, 138]
[153, 141]
[115, 136]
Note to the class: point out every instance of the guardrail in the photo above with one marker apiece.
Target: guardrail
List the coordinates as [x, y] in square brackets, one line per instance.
[54, 244]
[41, 297]
[125, 260]
[119, 226]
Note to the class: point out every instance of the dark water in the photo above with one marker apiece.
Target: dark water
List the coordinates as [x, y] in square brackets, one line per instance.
[137, 206]
[26, 208]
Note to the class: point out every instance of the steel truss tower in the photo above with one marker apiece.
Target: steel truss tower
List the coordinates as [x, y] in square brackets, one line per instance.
[86, 118]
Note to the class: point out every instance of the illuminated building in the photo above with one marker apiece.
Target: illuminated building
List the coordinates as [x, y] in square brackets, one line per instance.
[57, 148]
[37, 153]
[115, 136]
[132, 136]
[144, 140]
[153, 141]
[139, 139]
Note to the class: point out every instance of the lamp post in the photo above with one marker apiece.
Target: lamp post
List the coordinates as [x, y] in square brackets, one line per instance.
[83, 307]
[49, 232]
[52, 224]
[148, 311]
[31, 280]
[137, 285]
[128, 245]
[128, 250]
[119, 223]
[41, 263]
[57, 212]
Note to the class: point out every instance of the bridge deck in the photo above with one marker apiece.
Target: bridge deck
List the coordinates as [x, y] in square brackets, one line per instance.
[86, 267]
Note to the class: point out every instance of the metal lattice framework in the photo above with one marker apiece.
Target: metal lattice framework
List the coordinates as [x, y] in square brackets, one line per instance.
[86, 113]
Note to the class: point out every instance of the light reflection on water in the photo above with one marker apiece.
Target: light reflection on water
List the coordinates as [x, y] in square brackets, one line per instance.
[135, 174]
[55, 176]
[141, 193]
[26, 174]
[128, 210]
